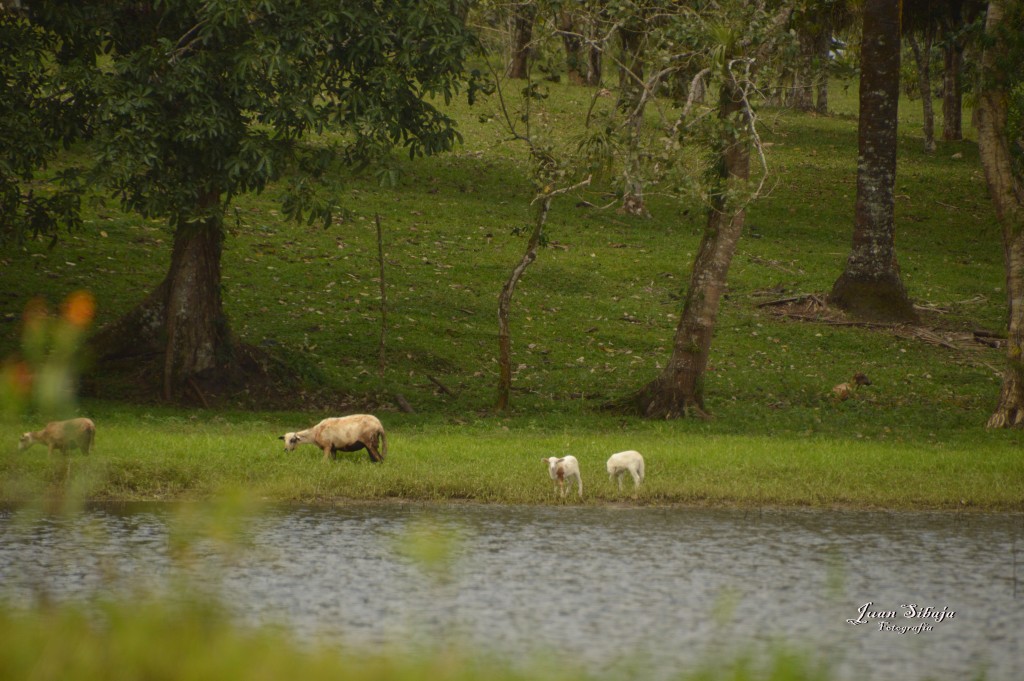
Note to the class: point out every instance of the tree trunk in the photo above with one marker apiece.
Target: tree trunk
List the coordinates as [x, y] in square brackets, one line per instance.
[679, 390]
[801, 97]
[595, 57]
[182, 320]
[822, 104]
[952, 92]
[822, 48]
[1007, 194]
[632, 103]
[923, 58]
[522, 35]
[575, 48]
[505, 306]
[870, 287]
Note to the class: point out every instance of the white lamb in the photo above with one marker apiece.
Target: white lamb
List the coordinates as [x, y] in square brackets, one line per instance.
[562, 469]
[626, 462]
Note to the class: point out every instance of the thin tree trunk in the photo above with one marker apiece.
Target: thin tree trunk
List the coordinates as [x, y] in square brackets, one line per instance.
[632, 104]
[575, 52]
[382, 344]
[952, 92]
[522, 35]
[505, 307]
[595, 57]
[822, 48]
[1007, 193]
[801, 96]
[679, 390]
[822, 104]
[870, 287]
[923, 58]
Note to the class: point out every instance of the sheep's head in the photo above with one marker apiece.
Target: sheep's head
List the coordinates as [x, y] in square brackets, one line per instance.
[290, 440]
[25, 441]
[861, 379]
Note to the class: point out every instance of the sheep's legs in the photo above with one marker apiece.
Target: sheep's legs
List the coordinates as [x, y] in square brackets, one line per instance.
[374, 454]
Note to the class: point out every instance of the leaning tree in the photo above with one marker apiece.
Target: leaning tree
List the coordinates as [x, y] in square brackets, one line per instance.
[732, 42]
[999, 118]
[203, 100]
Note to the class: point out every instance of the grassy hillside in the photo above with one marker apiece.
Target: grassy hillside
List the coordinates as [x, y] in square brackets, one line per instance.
[594, 315]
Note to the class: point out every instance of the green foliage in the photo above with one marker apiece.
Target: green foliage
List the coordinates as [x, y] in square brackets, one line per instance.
[194, 102]
[37, 119]
[190, 639]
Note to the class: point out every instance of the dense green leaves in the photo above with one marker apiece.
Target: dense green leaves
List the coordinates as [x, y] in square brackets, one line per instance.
[38, 115]
[201, 98]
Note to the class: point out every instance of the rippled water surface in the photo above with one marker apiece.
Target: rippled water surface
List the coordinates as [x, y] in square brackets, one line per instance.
[613, 588]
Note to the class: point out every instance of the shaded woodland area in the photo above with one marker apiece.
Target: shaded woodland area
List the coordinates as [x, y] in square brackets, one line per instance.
[186, 106]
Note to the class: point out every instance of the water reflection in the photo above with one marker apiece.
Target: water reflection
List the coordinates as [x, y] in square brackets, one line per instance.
[621, 588]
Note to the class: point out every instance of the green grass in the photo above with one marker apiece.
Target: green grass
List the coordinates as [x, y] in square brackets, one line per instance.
[593, 319]
[171, 457]
[194, 641]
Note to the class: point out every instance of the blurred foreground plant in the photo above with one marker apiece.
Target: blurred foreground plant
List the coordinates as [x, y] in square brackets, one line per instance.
[43, 378]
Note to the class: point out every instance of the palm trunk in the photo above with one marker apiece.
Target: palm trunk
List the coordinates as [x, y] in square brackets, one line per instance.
[923, 57]
[679, 390]
[952, 93]
[870, 287]
[1008, 199]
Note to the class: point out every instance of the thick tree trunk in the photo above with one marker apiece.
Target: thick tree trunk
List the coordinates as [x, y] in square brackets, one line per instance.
[505, 307]
[952, 93]
[575, 48]
[1007, 194]
[182, 321]
[679, 390]
[522, 35]
[870, 287]
[923, 58]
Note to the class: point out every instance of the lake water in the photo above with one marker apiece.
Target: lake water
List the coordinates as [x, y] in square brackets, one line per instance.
[649, 591]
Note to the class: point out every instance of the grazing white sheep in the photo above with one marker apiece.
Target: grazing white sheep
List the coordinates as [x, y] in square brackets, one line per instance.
[345, 434]
[562, 469]
[626, 462]
[62, 436]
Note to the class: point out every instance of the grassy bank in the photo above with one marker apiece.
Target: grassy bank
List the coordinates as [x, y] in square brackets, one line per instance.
[592, 321]
[168, 456]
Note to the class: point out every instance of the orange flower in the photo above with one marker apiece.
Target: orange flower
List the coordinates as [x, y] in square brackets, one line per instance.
[79, 308]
